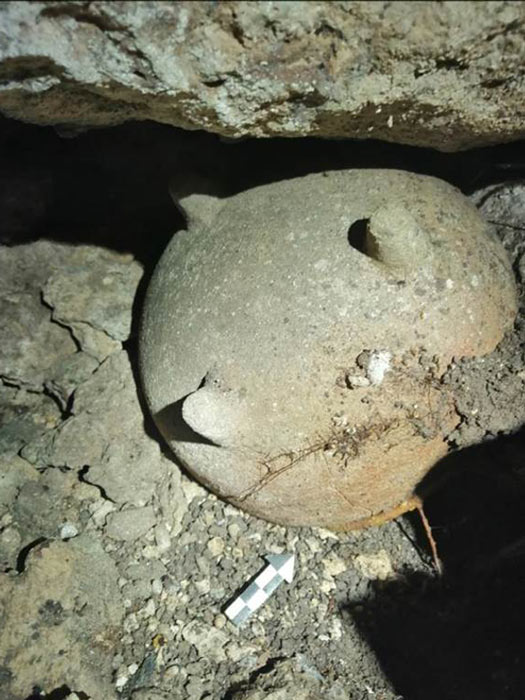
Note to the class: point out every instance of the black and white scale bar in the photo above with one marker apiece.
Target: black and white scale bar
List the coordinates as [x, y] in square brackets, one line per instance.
[280, 568]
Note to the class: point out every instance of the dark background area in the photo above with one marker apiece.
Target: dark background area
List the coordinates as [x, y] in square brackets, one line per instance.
[110, 186]
[461, 637]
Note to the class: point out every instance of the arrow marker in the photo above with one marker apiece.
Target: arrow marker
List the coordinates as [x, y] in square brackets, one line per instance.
[280, 568]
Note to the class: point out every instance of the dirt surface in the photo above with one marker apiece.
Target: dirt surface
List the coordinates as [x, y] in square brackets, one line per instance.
[116, 567]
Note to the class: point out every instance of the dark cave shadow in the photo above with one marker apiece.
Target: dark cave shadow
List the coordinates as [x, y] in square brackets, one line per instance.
[169, 423]
[131, 347]
[109, 186]
[460, 637]
[106, 187]
[173, 426]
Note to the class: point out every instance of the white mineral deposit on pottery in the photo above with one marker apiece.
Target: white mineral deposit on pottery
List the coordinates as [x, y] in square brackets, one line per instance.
[378, 366]
[309, 393]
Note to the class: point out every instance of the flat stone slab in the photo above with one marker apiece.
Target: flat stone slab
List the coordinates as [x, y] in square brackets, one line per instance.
[445, 75]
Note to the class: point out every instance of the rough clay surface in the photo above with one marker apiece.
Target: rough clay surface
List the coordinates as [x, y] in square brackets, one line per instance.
[99, 616]
[293, 366]
[447, 75]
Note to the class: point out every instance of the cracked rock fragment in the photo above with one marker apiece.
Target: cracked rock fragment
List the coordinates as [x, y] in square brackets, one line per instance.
[105, 433]
[31, 344]
[93, 295]
[131, 523]
[36, 506]
[327, 69]
[15, 475]
[66, 601]
[24, 417]
[105, 436]
[129, 471]
[65, 375]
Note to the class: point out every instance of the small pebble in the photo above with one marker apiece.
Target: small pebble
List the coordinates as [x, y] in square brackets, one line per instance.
[6, 519]
[171, 672]
[356, 381]
[234, 530]
[149, 609]
[219, 621]
[150, 551]
[216, 546]
[334, 565]
[162, 537]
[209, 517]
[326, 586]
[130, 524]
[374, 566]
[217, 593]
[203, 586]
[67, 531]
[117, 661]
